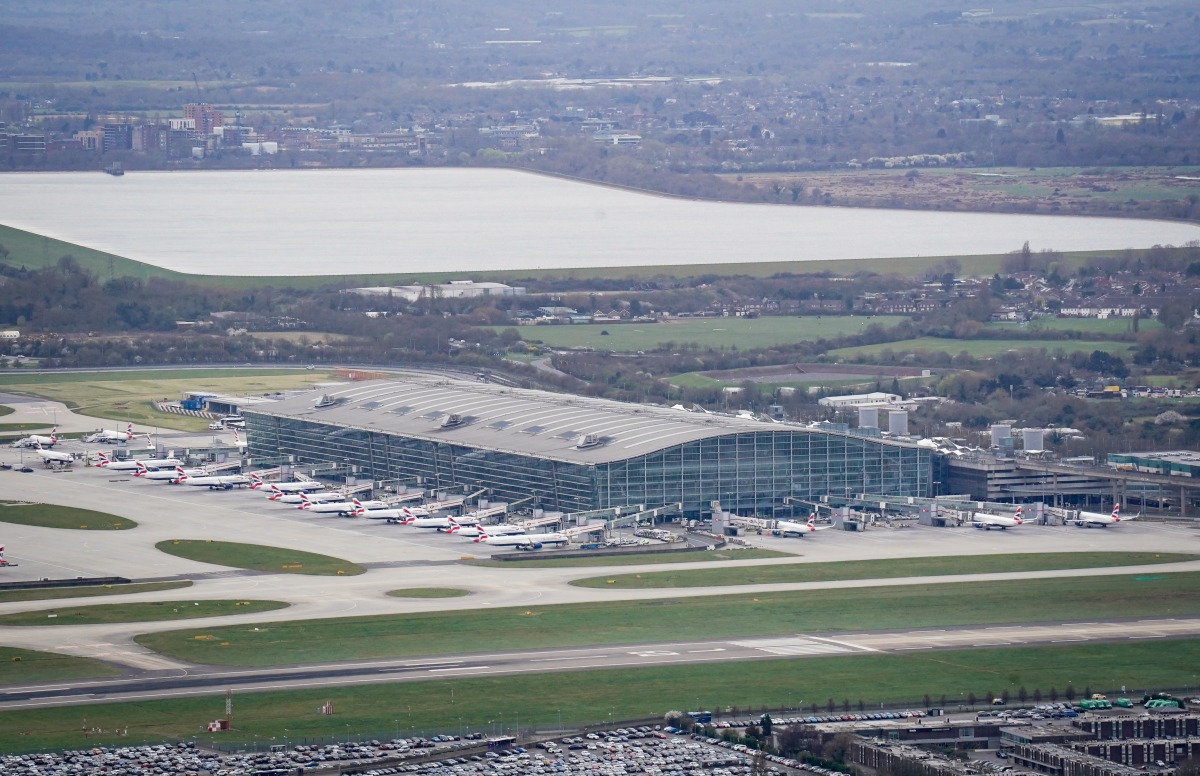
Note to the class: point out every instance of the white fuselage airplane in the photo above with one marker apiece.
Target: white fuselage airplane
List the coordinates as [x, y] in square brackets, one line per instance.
[472, 531]
[1089, 519]
[131, 465]
[116, 436]
[215, 481]
[441, 523]
[167, 475]
[345, 508]
[257, 482]
[35, 440]
[799, 529]
[522, 541]
[54, 458]
[987, 521]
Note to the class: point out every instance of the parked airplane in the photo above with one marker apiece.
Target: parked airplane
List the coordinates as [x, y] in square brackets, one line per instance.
[35, 440]
[131, 465]
[987, 521]
[344, 508]
[521, 541]
[391, 514]
[215, 481]
[472, 531]
[441, 523]
[786, 527]
[3, 562]
[166, 475]
[1089, 519]
[54, 458]
[307, 486]
[115, 436]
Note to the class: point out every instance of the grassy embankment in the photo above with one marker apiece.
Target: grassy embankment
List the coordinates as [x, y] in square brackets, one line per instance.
[792, 573]
[54, 516]
[92, 591]
[705, 333]
[726, 554]
[259, 557]
[128, 396]
[33, 250]
[710, 617]
[147, 611]
[547, 699]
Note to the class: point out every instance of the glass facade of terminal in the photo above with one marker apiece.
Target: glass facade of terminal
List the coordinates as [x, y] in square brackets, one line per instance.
[750, 472]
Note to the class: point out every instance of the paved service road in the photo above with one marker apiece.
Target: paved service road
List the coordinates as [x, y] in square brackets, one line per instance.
[207, 681]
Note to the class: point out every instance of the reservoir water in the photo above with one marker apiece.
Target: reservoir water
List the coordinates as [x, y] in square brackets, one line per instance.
[333, 222]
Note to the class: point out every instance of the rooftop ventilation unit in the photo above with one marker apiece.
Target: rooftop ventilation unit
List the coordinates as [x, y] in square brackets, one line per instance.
[453, 421]
[586, 441]
[326, 401]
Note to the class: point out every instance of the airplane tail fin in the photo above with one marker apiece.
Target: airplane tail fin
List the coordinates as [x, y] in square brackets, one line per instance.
[304, 501]
[103, 459]
[54, 435]
[141, 469]
[812, 519]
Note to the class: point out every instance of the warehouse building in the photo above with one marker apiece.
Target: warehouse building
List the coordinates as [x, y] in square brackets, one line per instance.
[572, 453]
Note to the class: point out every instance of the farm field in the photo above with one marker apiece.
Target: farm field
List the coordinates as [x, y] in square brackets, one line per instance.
[1108, 327]
[506, 703]
[712, 617]
[705, 333]
[128, 396]
[981, 348]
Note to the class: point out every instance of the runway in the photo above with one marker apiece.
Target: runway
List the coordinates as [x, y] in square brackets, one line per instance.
[402, 557]
[208, 681]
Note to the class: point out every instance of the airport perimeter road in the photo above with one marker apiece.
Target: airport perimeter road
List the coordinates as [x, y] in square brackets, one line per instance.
[206, 681]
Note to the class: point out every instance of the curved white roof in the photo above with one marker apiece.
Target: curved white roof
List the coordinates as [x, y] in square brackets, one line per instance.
[523, 421]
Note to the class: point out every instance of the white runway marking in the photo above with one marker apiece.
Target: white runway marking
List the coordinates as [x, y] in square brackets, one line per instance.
[795, 646]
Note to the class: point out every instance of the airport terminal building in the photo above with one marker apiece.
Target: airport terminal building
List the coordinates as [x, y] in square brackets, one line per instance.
[571, 453]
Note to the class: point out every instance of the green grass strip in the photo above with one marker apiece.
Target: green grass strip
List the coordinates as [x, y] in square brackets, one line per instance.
[429, 592]
[148, 611]
[259, 557]
[879, 569]
[6, 410]
[632, 560]
[545, 699]
[24, 666]
[707, 617]
[9, 428]
[17, 377]
[52, 593]
[54, 516]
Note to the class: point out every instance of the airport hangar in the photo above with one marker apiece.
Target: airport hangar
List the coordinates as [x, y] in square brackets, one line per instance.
[571, 454]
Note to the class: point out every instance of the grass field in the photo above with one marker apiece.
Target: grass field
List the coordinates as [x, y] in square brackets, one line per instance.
[10, 428]
[982, 348]
[128, 396]
[546, 700]
[873, 569]
[51, 593]
[6, 410]
[23, 666]
[53, 516]
[713, 617]
[1109, 327]
[429, 592]
[706, 333]
[259, 557]
[150, 611]
[632, 560]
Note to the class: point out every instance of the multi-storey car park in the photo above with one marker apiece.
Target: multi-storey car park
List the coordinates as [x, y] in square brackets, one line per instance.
[570, 453]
